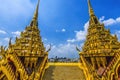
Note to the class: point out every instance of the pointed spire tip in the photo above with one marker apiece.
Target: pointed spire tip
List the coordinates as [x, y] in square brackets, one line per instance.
[35, 17]
[91, 12]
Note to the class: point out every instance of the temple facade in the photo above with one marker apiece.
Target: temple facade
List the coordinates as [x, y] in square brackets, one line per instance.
[100, 55]
[27, 58]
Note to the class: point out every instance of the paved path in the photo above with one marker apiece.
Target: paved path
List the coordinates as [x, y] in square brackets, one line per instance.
[64, 73]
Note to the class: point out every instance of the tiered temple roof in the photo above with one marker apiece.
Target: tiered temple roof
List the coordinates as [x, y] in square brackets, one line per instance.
[98, 39]
[30, 42]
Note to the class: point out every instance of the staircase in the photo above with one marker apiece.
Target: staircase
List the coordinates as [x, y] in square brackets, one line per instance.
[19, 66]
[64, 73]
[9, 72]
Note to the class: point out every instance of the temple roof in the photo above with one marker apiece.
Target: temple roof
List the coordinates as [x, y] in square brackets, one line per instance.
[30, 41]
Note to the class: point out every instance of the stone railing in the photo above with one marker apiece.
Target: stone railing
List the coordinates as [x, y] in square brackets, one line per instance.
[63, 64]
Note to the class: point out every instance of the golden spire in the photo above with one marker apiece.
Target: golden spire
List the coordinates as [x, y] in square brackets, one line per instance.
[91, 12]
[93, 18]
[35, 17]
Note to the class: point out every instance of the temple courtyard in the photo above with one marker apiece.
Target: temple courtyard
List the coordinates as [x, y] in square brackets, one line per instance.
[64, 71]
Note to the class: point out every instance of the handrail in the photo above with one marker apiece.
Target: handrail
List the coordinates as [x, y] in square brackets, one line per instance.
[18, 65]
[117, 56]
[7, 70]
[63, 64]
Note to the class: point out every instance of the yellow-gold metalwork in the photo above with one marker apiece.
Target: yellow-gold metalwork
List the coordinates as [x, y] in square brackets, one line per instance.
[27, 58]
[100, 55]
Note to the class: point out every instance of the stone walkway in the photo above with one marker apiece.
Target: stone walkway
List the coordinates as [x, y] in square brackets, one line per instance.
[64, 73]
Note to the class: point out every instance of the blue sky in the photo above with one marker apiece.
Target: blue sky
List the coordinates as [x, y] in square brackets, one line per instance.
[63, 23]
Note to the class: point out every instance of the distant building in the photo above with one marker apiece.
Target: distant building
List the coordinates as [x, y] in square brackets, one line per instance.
[63, 59]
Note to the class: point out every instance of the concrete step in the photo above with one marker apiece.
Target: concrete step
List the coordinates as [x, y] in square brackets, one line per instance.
[64, 73]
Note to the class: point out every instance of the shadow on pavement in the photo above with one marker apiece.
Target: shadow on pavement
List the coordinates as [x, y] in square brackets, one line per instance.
[49, 73]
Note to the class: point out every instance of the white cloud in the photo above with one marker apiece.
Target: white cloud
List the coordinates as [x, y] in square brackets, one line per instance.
[109, 21]
[2, 32]
[102, 18]
[118, 19]
[14, 8]
[17, 33]
[64, 50]
[80, 35]
[69, 50]
[45, 39]
[6, 39]
[71, 40]
[63, 30]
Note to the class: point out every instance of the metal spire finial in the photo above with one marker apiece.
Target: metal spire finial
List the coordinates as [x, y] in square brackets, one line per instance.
[35, 17]
[91, 12]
